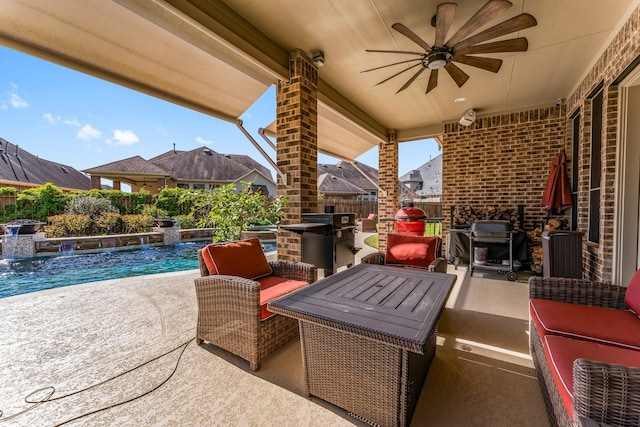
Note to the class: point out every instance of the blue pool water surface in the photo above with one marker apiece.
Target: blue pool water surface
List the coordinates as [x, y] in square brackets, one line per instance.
[22, 276]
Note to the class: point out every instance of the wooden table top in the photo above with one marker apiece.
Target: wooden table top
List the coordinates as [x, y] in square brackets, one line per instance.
[397, 306]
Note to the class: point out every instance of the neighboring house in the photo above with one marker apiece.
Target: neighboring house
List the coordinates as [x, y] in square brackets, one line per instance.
[23, 170]
[425, 183]
[344, 180]
[201, 168]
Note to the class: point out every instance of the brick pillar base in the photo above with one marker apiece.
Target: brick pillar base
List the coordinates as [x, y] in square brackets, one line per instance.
[388, 181]
[297, 149]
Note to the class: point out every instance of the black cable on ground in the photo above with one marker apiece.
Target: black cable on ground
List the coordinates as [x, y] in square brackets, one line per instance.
[48, 392]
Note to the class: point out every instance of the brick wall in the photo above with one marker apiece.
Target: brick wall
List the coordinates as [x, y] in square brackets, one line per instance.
[502, 160]
[297, 149]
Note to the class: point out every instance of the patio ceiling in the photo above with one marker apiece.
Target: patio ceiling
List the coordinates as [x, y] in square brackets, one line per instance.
[218, 58]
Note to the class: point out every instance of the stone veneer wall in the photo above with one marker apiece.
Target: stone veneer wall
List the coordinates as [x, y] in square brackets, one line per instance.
[297, 149]
[502, 160]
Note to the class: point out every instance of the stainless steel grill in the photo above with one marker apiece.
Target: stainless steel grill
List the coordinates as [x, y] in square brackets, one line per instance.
[490, 232]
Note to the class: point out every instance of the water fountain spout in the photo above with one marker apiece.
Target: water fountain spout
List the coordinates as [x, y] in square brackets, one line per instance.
[10, 240]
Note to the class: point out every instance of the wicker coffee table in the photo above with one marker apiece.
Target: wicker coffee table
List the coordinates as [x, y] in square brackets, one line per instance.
[368, 337]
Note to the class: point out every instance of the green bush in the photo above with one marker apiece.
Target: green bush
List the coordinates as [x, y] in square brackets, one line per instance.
[154, 211]
[41, 202]
[137, 223]
[89, 205]
[69, 225]
[8, 191]
[186, 221]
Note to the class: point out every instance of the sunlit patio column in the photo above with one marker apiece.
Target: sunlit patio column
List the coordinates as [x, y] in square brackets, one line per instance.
[297, 148]
[388, 181]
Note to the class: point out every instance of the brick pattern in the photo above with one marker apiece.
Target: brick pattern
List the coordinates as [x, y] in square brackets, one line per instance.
[388, 181]
[502, 160]
[620, 55]
[95, 182]
[297, 148]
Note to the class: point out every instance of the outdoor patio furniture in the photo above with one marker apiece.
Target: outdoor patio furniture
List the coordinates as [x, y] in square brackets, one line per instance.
[410, 251]
[368, 224]
[368, 337]
[235, 286]
[585, 344]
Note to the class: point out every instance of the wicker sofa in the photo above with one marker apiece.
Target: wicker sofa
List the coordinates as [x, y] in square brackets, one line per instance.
[235, 286]
[410, 251]
[585, 344]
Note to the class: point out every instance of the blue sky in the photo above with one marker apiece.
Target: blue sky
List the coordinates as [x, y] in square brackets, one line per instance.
[81, 121]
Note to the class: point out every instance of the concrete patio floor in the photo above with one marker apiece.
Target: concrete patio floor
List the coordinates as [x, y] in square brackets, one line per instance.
[121, 353]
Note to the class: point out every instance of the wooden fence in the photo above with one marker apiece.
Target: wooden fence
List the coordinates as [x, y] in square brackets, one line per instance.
[362, 208]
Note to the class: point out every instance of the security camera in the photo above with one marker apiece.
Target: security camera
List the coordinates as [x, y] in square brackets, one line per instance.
[468, 118]
[318, 58]
[560, 102]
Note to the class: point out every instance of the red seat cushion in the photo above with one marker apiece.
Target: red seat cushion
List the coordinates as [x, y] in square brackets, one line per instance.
[561, 352]
[606, 325]
[272, 287]
[632, 295]
[411, 250]
[243, 258]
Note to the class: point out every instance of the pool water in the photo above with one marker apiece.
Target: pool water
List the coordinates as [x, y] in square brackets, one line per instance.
[22, 276]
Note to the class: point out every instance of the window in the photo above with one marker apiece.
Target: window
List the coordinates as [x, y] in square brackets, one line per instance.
[574, 170]
[595, 171]
[183, 185]
[198, 186]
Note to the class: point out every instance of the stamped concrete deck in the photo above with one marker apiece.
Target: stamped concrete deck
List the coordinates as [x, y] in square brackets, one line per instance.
[121, 353]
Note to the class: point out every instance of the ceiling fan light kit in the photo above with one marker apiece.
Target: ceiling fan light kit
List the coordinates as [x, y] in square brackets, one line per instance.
[462, 46]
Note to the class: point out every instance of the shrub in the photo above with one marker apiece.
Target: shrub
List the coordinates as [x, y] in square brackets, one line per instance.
[186, 221]
[137, 223]
[154, 211]
[69, 225]
[89, 205]
[108, 222]
[41, 202]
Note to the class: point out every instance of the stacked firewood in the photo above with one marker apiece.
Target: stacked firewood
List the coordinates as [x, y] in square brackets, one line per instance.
[535, 240]
[464, 216]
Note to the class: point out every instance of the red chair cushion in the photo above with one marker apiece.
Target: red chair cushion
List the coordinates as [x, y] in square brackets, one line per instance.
[243, 258]
[561, 352]
[632, 295]
[272, 287]
[606, 325]
[372, 216]
[411, 250]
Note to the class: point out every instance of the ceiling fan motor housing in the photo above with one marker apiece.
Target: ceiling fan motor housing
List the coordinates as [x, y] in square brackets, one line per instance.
[437, 58]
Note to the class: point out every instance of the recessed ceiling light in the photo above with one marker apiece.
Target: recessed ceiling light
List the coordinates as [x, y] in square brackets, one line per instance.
[460, 100]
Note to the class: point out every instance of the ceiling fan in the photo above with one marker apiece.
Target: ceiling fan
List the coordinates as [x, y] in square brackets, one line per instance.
[462, 45]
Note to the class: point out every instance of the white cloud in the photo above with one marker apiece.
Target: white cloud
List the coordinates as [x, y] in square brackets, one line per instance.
[125, 137]
[49, 117]
[201, 140]
[88, 132]
[72, 122]
[14, 100]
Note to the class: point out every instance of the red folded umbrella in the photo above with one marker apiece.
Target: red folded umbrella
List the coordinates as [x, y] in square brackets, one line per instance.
[557, 192]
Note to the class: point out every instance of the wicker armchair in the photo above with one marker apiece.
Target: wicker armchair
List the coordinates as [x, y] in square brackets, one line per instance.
[230, 315]
[603, 393]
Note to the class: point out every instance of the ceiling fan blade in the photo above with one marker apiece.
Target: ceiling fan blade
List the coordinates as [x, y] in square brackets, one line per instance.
[411, 80]
[391, 65]
[397, 74]
[483, 16]
[444, 18]
[489, 64]
[407, 52]
[519, 44]
[458, 76]
[433, 81]
[402, 29]
[517, 23]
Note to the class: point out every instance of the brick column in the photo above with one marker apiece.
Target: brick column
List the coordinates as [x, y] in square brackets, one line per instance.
[95, 182]
[297, 148]
[116, 185]
[162, 182]
[388, 181]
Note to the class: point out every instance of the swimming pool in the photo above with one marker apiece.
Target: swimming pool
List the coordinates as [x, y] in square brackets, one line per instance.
[22, 276]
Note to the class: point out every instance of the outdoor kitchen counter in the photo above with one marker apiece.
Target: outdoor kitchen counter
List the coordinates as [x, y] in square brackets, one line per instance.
[368, 337]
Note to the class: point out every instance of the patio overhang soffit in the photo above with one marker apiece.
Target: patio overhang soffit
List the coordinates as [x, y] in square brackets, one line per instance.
[198, 54]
